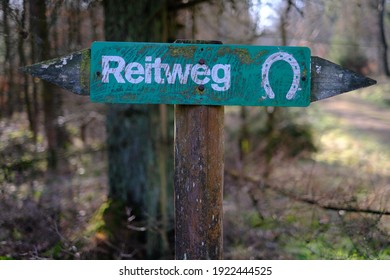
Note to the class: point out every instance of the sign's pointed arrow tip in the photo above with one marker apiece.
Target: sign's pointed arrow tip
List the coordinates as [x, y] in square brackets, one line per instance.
[70, 72]
[329, 79]
[370, 82]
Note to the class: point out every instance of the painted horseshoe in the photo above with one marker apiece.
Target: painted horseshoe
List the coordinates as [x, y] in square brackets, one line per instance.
[267, 66]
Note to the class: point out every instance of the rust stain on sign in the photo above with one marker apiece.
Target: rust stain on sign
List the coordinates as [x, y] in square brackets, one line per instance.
[186, 52]
[242, 54]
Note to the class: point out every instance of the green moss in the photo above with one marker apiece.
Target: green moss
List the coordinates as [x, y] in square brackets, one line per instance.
[97, 222]
[3, 258]
[85, 68]
[107, 219]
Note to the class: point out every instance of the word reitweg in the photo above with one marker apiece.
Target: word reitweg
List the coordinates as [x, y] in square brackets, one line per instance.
[135, 73]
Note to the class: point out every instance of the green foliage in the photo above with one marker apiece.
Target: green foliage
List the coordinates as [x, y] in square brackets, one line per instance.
[333, 246]
[55, 252]
[254, 219]
[97, 222]
[384, 254]
[322, 248]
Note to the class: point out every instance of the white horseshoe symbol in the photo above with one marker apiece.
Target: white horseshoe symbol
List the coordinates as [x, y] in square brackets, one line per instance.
[265, 71]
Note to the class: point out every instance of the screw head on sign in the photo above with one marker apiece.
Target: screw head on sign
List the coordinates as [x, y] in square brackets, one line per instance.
[201, 87]
[201, 61]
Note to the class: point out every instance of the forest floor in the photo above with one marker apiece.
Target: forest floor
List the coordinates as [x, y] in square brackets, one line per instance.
[321, 207]
[324, 205]
[362, 117]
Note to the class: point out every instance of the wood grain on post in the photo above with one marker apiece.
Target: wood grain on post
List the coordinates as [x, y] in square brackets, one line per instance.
[198, 182]
[199, 164]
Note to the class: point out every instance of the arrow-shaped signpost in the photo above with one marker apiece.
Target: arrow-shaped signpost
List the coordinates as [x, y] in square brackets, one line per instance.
[209, 75]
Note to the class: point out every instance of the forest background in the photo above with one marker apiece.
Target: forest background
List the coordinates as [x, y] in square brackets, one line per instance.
[80, 180]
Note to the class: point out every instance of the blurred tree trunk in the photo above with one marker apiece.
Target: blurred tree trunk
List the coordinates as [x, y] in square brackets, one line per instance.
[94, 23]
[23, 61]
[33, 47]
[74, 22]
[8, 61]
[139, 136]
[55, 133]
[383, 40]
[52, 108]
[55, 22]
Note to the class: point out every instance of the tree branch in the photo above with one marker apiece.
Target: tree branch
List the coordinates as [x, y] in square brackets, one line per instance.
[310, 201]
[180, 5]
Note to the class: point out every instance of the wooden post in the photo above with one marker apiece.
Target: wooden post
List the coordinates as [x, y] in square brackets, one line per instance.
[198, 182]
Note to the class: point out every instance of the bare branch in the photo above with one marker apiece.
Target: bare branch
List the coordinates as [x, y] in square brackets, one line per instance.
[310, 201]
[297, 8]
[179, 6]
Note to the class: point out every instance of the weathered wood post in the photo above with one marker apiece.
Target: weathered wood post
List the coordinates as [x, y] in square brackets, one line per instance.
[199, 79]
[198, 182]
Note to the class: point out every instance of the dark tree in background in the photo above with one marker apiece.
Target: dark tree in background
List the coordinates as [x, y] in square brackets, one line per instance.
[52, 109]
[56, 135]
[140, 168]
[8, 59]
[383, 39]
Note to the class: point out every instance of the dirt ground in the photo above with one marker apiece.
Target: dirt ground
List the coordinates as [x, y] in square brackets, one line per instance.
[361, 116]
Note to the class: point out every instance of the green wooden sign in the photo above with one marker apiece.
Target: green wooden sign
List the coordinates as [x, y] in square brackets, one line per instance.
[151, 73]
